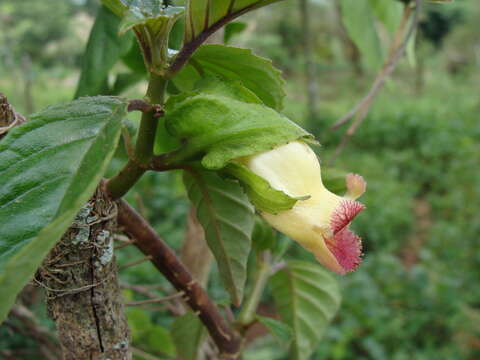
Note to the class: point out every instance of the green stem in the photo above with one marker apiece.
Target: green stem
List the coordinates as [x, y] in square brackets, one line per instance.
[138, 165]
[247, 315]
[148, 124]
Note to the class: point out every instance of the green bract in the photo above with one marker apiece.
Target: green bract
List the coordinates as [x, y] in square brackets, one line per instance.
[45, 178]
[221, 122]
[261, 194]
[217, 128]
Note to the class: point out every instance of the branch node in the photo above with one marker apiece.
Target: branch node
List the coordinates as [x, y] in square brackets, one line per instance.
[139, 105]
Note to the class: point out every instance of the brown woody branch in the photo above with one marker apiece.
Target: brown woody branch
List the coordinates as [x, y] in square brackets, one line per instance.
[165, 260]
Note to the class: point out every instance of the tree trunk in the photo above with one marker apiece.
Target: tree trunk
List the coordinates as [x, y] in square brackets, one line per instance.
[83, 295]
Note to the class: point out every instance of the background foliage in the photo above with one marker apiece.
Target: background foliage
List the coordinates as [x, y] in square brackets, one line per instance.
[416, 296]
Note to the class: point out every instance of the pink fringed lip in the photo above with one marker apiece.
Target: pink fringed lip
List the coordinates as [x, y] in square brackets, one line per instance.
[345, 245]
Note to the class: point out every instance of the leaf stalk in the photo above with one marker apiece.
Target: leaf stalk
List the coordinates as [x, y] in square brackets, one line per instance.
[247, 315]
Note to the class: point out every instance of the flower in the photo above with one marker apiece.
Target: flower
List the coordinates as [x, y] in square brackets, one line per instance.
[319, 223]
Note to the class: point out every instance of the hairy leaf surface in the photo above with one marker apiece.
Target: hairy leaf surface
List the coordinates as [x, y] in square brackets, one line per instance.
[227, 217]
[281, 331]
[49, 167]
[218, 129]
[307, 298]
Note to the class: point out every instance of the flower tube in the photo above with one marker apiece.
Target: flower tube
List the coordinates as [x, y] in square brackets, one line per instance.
[319, 223]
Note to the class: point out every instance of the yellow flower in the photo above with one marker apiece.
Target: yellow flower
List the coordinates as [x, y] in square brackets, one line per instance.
[319, 223]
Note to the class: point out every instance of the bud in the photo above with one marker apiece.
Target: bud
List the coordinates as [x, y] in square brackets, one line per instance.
[320, 222]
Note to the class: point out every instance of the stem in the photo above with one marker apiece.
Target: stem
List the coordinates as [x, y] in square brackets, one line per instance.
[165, 260]
[138, 164]
[148, 125]
[247, 316]
[125, 179]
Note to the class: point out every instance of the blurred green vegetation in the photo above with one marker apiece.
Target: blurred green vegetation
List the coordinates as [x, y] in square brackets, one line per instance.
[417, 294]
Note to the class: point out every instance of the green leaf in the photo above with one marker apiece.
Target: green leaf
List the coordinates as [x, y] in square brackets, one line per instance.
[282, 332]
[159, 340]
[215, 85]
[227, 217]
[117, 7]
[154, 16]
[263, 236]
[104, 48]
[49, 167]
[139, 323]
[188, 334]
[125, 81]
[357, 16]
[134, 59]
[175, 40]
[205, 16]
[388, 12]
[152, 23]
[218, 129]
[259, 191]
[307, 298]
[121, 8]
[255, 73]
[232, 29]
[186, 78]
[410, 50]
[164, 142]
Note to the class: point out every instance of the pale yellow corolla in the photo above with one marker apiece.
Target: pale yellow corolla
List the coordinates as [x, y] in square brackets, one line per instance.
[319, 223]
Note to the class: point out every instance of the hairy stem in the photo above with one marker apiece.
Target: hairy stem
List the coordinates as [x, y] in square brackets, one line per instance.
[138, 164]
[148, 125]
